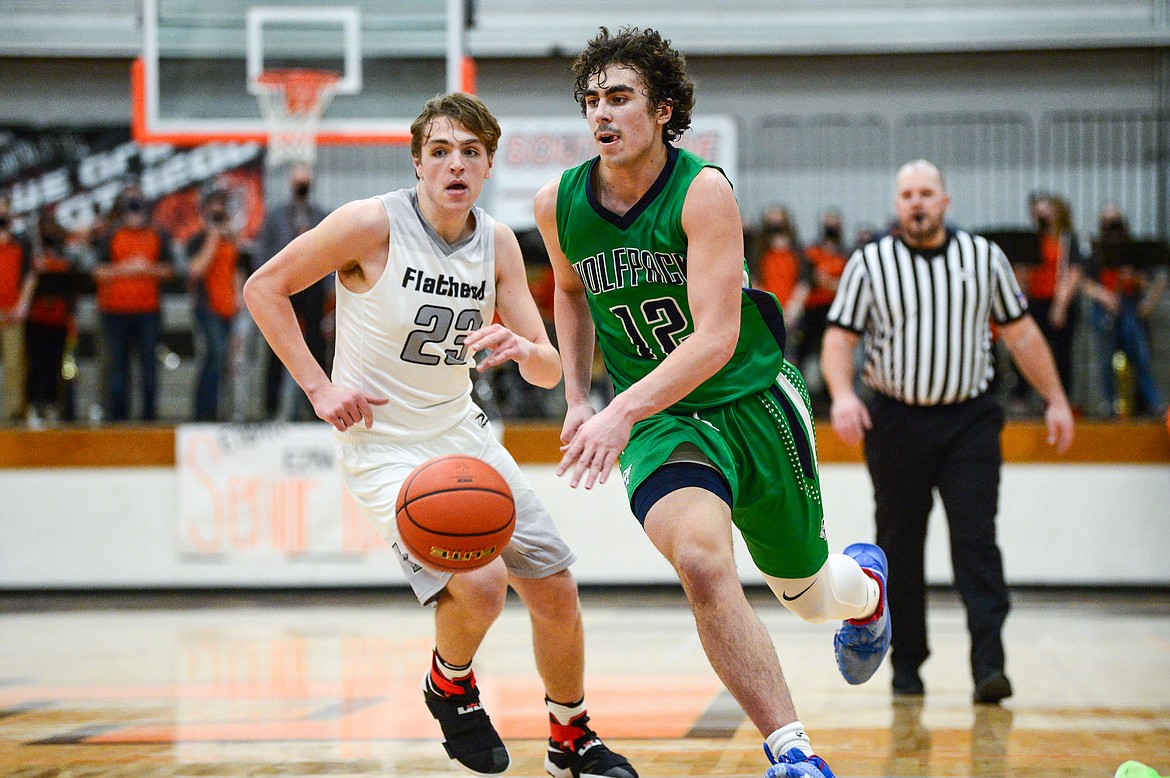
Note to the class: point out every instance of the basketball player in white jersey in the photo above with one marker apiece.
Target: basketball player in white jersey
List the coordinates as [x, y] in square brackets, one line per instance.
[420, 274]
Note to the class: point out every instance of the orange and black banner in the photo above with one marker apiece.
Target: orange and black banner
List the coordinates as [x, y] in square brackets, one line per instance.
[76, 175]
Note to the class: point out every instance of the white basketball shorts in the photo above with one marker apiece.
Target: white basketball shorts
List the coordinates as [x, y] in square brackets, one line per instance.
[374, 469]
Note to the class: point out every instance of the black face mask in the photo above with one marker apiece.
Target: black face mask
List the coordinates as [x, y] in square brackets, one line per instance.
[1043, 223]
[5, 223]
[832, 234]
[301, 190]
[217, 217]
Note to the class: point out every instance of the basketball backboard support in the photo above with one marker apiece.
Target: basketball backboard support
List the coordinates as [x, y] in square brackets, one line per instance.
[346, 19]
[196, 81]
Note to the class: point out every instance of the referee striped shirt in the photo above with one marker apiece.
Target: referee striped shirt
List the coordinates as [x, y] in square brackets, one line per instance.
[925, 316]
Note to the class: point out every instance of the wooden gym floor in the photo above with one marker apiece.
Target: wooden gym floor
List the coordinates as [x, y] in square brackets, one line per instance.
[326, 683]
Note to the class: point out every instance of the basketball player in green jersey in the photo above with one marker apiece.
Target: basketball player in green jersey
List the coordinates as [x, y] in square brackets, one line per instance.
[710, 427]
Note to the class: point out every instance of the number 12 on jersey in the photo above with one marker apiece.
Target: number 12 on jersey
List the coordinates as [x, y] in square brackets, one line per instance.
[665, 321]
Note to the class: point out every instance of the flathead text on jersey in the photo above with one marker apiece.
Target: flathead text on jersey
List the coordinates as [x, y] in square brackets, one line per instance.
[443, 285]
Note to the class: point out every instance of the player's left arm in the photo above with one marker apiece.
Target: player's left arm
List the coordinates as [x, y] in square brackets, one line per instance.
[522, 336]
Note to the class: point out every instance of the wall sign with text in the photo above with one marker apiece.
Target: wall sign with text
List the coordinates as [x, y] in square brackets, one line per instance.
[270, 491]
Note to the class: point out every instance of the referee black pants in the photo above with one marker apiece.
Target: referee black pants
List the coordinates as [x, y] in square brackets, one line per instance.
[910, 452]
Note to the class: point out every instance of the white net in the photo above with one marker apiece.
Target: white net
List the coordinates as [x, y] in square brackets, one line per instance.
[292, 103]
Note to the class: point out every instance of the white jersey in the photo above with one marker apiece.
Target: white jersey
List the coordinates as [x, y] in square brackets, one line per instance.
[403, 338]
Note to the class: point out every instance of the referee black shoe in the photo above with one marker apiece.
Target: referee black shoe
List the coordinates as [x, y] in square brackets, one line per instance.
[908, 683]
[992, 687]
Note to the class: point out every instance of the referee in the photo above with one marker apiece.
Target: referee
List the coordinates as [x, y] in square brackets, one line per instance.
[923, 300]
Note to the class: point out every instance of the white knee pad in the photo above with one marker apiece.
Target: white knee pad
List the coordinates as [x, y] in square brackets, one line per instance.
[839, 590]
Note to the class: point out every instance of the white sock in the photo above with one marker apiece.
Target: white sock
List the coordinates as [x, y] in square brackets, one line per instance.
[787, 738]
[451, 672]
[564, 714]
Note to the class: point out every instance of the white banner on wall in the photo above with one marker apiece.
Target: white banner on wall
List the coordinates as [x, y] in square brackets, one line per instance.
[265, 492]
[219, 519]
[534, 151]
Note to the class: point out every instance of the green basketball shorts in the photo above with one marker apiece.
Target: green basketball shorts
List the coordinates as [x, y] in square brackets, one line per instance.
[764, 444]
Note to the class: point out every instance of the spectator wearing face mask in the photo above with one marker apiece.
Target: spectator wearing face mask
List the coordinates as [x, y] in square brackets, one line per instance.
[47, 328]
[781, 268]
[826, 260]
[213, 279]
[1052, 286]
[1125, 292]
[134, 261]
[283, 398]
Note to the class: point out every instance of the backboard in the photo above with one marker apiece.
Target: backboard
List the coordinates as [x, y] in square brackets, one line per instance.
[196, 81]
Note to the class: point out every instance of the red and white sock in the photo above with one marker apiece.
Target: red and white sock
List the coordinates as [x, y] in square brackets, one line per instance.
[563, 721]
[443, 674]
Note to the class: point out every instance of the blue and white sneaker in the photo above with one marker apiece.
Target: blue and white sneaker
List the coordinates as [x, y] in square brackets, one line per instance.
[862, 645]
[795, 763]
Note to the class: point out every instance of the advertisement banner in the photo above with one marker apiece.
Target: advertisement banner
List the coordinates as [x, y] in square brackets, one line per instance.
[266, 492]
[533, 151]
[77, 174]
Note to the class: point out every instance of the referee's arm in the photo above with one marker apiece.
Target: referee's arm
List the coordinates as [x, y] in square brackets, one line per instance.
[846, 321]
[1031, 354]
[849, 416]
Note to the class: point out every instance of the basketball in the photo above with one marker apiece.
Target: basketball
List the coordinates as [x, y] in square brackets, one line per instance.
[455, 513]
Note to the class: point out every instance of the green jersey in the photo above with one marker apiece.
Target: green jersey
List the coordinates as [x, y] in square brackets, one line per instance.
[634, 268]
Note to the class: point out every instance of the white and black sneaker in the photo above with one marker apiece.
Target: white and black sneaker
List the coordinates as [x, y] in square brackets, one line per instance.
[471, 740]
[581, 754]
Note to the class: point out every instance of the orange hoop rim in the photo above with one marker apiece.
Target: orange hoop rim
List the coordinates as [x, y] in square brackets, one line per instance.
[302, 87]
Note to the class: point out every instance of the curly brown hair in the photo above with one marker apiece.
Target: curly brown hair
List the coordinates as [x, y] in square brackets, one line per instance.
[662, 68]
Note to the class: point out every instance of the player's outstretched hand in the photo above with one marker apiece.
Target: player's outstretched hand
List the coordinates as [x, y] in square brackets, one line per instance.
[344, 407]
[501, 342]
[594, 447]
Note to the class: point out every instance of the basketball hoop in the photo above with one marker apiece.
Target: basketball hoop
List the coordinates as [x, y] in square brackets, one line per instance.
[292, 101]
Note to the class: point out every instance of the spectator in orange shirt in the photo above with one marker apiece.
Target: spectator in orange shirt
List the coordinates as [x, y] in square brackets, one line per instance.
[781, 268]
[49, 323]
[826, 260]
[135, 261]
[214, 281]
[15, 266]
[1052, 285]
